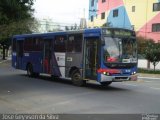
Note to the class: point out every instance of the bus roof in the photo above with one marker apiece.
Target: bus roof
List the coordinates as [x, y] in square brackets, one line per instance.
[85, 31]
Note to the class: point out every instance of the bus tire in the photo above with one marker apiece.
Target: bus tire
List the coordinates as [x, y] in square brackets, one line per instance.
[105, 83]
[77, 79]
[30, 72]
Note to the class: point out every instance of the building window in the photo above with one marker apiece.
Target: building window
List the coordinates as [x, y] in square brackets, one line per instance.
[115, 13]
[156, 27]
[103, 15]
[156, 6]
[103, 1]
[92, 18]
[133, 8]
[92, 3]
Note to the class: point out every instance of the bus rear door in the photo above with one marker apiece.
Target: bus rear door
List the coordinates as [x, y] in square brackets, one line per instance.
[47, 55]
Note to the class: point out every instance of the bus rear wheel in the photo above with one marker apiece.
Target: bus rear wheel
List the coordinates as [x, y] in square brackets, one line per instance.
[77, 79]
[30, 70]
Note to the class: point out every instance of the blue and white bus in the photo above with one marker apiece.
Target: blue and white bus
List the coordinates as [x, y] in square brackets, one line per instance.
[104, 55]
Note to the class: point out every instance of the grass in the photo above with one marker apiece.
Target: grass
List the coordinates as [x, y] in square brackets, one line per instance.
[148, 71]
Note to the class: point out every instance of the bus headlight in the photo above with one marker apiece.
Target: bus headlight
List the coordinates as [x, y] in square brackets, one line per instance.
[133, 73]
[106, 73]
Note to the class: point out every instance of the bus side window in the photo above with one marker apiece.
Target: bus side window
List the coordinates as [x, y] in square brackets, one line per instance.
[28, 43]
[74, 43]
[60, 43]
[20, 48]
[38, 44]
[33, 44]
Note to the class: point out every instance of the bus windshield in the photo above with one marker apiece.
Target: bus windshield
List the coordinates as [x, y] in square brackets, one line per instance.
[120, 50]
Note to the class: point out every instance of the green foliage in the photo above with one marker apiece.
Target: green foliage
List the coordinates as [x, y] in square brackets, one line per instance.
[15, 10]
[108, 24]
[140, 70]
[19, 27]
[67, 28]
[15, 18]
[141, 42]
[149, 49]
[152, 52]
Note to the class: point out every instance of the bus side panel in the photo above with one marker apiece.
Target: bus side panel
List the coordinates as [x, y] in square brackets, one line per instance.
[54, 66]
[38, 62]
[58, 61]
[34, 58]
[73, 60]
[14, 59]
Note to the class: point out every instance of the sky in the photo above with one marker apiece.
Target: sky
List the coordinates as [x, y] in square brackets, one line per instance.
[62, 11]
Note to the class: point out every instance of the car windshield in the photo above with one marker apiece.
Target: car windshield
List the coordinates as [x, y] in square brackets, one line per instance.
[120, 50]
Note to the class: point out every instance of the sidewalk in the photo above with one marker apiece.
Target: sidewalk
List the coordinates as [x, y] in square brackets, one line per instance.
[7, 58]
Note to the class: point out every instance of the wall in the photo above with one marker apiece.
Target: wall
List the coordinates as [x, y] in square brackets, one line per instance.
[142, 63]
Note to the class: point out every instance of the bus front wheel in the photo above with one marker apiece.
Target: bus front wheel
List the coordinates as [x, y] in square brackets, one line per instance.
[30, 70]
[77, 79]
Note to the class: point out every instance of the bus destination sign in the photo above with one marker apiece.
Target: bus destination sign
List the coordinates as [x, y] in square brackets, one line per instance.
[112, 32]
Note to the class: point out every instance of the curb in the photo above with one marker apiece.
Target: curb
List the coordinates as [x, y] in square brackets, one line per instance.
[151, 78]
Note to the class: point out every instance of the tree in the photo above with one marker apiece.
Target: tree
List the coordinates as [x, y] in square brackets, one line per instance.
[66, 28]
[75, 26]
[107, 24]
[152, 52]
[141, 43]
[15, 18]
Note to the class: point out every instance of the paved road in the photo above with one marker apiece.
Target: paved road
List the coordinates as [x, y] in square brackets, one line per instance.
[20, 94]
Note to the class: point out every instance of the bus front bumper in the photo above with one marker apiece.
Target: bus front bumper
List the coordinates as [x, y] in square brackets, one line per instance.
[105, 78]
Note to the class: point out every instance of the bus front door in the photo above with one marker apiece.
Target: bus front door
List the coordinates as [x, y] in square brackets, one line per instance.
[47, 56]
[19, 52]
[91, 58]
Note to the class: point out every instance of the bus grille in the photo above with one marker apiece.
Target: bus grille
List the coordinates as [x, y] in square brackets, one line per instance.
[121, 78]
